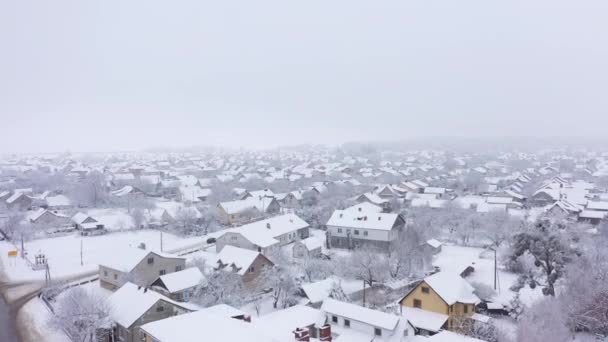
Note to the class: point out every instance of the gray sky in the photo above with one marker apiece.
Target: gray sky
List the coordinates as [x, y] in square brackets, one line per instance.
[116, 74]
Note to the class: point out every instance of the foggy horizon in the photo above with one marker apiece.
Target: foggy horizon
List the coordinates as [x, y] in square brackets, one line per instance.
[115, 76]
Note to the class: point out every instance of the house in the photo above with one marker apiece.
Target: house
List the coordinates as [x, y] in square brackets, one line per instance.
[374, 199]
[136, 265]
[445, 293]
[425, 322]
[362, 323]
[19, 201]
[290, 199]
[87, 225]
[181, 285]
[58, 202]
[308, 248]
[281, 324]
[247, 210]
[203, 325]
[265, 235]
[433, 246]
[49, 218]
[350, 229]
[592, 216]
[246, 263]
[134, 306]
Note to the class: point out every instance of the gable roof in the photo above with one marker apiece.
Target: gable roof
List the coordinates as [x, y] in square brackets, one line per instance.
[358, 313]
[452, 288]
[355, 219]
[181, 280]
[126, 259]
[239, 257]
[130, 302]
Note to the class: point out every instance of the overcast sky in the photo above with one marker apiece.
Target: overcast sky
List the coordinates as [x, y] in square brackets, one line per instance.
[116, 75]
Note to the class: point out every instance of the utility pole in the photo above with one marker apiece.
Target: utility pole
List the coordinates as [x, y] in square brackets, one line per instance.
[363, 293]
[161, 241]
[495, 270]
[22, 248]
[81, 262]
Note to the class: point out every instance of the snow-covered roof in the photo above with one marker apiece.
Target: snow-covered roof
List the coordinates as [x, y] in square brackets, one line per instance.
[434, 243]
[239, 257]
[263, 233]
[448, 336]
[181, 280]
[597, 205]
[259, 203]
[358, 313]
[355, 219]
[280, 324]
[130, 302]
[424, 319]
[126, 259]
[312, 243]
[592, 214]
[452, 288]
[203, 325]
[58, 201]
[366, 207]
[80, 217]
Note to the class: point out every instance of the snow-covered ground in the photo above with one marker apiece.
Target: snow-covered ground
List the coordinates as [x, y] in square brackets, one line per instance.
[33, 323]
[64, 253]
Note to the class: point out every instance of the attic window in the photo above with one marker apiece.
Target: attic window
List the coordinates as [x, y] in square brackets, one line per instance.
[377, 331]
[425, 289]
[150, 261]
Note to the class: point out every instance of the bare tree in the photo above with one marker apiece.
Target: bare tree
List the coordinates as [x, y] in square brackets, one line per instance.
[81, 314]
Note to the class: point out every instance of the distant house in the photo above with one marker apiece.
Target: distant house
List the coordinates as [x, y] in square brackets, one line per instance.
[350, 229]
[289, 199]
[137, 265]
[19, 201]
[87, 225]
[592, 216]
[246, 263]
[444, 293]
[58, 202]
[247, 210]
[374, 199]
[134, 306]
[265, 235]
[49, 218]
[310, 247]
[433, 246]
[180, 285]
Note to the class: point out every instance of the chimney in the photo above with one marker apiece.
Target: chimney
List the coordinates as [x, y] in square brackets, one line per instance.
[379, 218]
[341, 215]
[268, 225]
[302, 335]
[325, 333]
[247, 318]
[364, 218]
[359, 208]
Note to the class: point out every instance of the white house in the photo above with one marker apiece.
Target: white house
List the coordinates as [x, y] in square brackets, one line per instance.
[351, 319]
[352, 228]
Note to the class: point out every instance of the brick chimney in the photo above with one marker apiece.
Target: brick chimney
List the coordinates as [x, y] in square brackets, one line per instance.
[325, 333]
[302, 335]
[247, 318]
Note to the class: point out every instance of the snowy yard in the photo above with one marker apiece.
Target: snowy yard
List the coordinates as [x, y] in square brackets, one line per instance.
[64, 253]
[457, 258]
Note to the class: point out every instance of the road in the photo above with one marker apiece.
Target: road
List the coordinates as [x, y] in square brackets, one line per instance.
[7, 324]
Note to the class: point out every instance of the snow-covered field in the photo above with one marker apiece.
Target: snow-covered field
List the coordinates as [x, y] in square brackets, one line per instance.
[64, 253]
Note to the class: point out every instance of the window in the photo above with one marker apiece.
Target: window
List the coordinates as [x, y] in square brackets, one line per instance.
[105, 273]
[451, 308]
[251, 269]
[233, 238]
[178, 268]
[466, 309]
[406, 332]
[377, 331]
[417, 303]
[115, 276]
[347, 323]
[339, 230]
[150, 261]
[162, 272]
[160, 308]
[334, 319]
[356, 232]
[365, 233]
[425, 290]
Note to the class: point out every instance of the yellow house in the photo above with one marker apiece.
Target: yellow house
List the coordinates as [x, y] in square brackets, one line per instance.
[444, 293]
